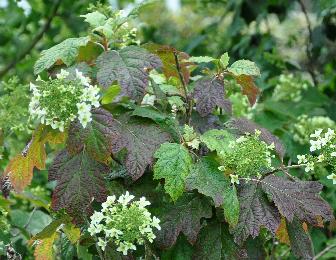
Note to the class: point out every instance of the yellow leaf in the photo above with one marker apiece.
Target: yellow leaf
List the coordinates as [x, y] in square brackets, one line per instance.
[72, 232]
[44, 249]
[20, 168]
[282, 233]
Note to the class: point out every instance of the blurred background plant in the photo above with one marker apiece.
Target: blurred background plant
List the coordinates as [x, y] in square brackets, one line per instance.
[292, 41]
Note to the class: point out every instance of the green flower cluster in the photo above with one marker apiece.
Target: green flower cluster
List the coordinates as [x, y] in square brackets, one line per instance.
[123, 222]
[58, 101]
[306, 126]
[14, 100]
[246, 157]
[289, 88]
[323, 149]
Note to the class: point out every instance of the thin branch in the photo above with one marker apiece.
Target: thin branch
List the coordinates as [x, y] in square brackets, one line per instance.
[184, 85]
[309, 42]
[285, 170]
[34, 41]
[324, 251]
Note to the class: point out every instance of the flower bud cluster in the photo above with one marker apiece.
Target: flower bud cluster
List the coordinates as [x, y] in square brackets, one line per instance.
[58, 101]
[124, 222]
[306, 126]
[190, 137]
[323, 149]
[247, 156]
[289, 88]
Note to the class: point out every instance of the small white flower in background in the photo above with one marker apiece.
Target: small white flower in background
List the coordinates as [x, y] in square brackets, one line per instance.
[333, 154]
[302, 159]
[332, 177]
[84, 80]
[221, 168]
[309, 167]
[124, 222]
[241, 139]
[234, 179]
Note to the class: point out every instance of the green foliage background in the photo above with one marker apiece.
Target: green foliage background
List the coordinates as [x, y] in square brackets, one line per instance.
[281, 36]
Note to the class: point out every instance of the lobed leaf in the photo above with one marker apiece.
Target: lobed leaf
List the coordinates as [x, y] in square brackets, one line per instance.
[173, 164]
[79, 180]
[248, 88]
[44, 249]
[297, 199]
[141, 139]
[255, 212]
[183, 217]
[209, 93]
[129, 67]
[96, 138]
[65, 52]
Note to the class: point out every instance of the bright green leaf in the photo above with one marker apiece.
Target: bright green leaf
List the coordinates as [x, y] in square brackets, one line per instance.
[110, 94]
[201, 59]
[217, 140]
[174, 162]
[66, 52]
[95, 18]
[224, 60]
[244, 67]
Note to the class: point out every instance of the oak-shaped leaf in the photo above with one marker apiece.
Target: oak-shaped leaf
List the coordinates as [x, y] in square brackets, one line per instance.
[208, 180]
[243, 125]
[44, 248]
[255, 212]
[96, 138]
[300, 241]
[183, 216]
[20, 168]
[129, 67]
[141, 139]
[167, 55]
[249, 88]
[299, 199]
[215, 242]
[173, 164]
[209, 93]
[79, 180]
[65, 52]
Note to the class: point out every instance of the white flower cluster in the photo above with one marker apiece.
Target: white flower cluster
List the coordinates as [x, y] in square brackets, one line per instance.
[324, 143]
[58, 101]
[124, 223]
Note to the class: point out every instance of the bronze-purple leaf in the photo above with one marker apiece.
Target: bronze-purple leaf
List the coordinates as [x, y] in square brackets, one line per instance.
[298, 198]
[209, 93]
[79, 180]
[255, 212]
[129, 67]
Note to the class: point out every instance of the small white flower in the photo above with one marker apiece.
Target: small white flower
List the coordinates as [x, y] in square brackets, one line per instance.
[234, 179]
[113, 233]
[123, 247]
[221, 168]
[63, 74]
[151, 237]
[84, 80]
[83, 108]
[143, 202]
[155, 223]
[241, 139]
[333, 154]
[85, 118]
[332, 177]
[102, 243]
[33, 87]
[317, 133]
[125, 199]
[302, 159]
[320, 158]
[309, 167]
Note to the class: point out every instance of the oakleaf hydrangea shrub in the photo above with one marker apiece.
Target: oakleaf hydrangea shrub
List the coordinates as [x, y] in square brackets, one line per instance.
[152, 161]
